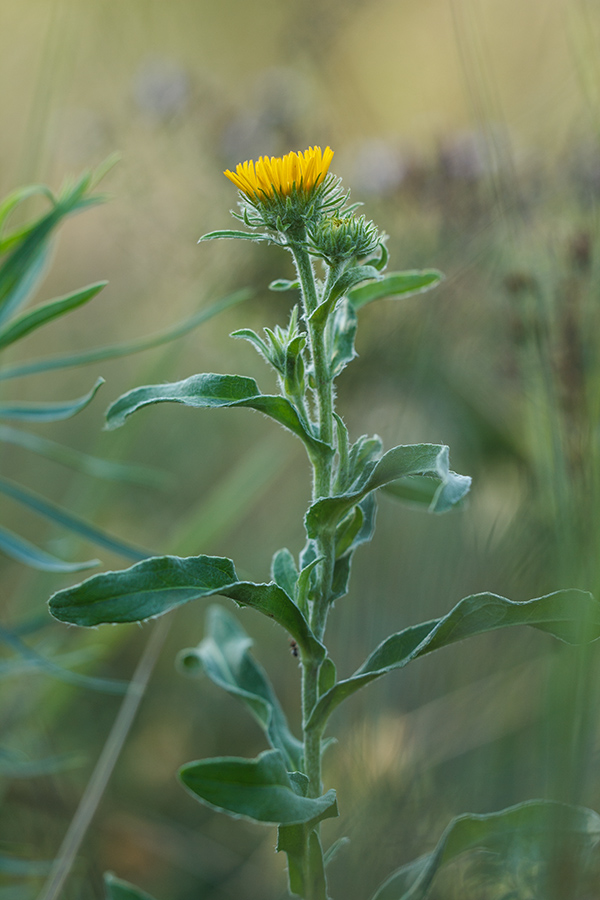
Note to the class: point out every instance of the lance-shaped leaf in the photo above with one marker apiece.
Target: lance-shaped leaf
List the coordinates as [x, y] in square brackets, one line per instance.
[395, 284]
[30, 321]
[114, 351]
[60, 516]
[537, 828]
[572, 616]
[400, 462]
[156, 585]
[48, 412]
[224, 655]
[215, 391]
[117, 889]
[238, 236]
[259, 789]
[22, 550]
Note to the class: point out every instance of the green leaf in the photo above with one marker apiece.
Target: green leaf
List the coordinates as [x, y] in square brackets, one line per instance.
[48, 412]
[128, 347]
[83, 462]
[18, 765]
[283, 284]
[23, 868]
[572, 616]
[341, 287]
[30, 321]
[342, 324]
[215, 391]
[540, 827]
[258, 789]
[284, 571]
[224, 655]
[237, 235]
[68, 520]
[400, 462]
[25, 552]
[156, 585]
[396, 284]
[301, 842]
[117, 889]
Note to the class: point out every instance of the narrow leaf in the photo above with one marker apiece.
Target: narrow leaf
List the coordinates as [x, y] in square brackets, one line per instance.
[215, 391]
[41, 315]
[48, 412]
[25, 552]
[540, 827]
[69, 520]
[258, 789]
[237, 235]
[128, 347]
[395, 284]
[117, 889]
[572, 616]
[17, 765]
[224, 655]
[156, 585]
[283, 284]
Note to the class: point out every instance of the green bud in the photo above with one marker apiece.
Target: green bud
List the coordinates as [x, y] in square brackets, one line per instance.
[339, 238]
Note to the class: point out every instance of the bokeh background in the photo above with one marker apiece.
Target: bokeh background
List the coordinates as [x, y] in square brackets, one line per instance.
[469, 129]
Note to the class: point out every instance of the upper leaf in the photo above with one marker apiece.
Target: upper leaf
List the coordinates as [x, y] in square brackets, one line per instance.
[535, 827]
[572, 616]
[258, 789]
[395, 284]
[224, 655]
[156, 585]
[210, 390]
[116, 889]
[400, 462]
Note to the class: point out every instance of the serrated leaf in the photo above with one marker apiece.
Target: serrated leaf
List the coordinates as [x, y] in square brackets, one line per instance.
[156, 585]
[224, 655]
[117, 889]
[403, 461]
[48, 412]
[572, 616]
[215, 391]
[23, 325]
[258, 789]
[23, 551]
[128, 347]
[395, 284]
[538, 826]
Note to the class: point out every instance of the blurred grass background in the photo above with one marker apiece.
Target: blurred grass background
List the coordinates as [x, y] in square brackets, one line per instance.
[469, 128]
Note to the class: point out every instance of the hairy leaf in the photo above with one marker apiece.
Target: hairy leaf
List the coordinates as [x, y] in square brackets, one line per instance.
[259, 789]
[572, 616]
[395, 284]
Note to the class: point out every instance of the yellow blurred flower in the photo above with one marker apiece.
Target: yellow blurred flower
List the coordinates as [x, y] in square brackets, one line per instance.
[281, 176]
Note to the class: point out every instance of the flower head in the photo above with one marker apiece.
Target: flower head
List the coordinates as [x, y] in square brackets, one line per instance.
[287, 193]
[282, 175]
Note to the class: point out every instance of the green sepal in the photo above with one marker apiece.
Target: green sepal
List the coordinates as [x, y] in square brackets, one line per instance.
[395, 284]
[301, 842]
[224, 656]
[284, 571]
[284, 284]
[400, 462]
[48, 412]
[257, 789]
[216, 391]
[572, 616]
[117, 889]
[538, 828]
[21, 326]
[156, 585]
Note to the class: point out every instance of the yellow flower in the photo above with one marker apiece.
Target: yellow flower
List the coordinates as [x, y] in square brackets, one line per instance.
[281, 176]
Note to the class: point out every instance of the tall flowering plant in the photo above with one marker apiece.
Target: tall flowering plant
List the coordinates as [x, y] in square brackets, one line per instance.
[340, 258]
